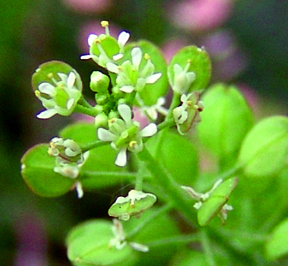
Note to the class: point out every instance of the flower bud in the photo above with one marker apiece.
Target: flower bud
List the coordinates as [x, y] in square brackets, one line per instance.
[99, 82]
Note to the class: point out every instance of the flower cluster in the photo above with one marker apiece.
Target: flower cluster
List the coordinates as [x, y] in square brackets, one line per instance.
[59, 98]
[125, 134]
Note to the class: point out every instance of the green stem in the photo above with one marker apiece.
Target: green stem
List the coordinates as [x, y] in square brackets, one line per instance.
[173, 190]
[85, 110]
[159, 212]
[230, 173]
[207, 248]
[84, 103]
[93, 145]
[174, 103]
[167, 123]
[139, 182]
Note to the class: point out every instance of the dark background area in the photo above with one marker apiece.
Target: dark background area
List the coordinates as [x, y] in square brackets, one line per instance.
[249, 47]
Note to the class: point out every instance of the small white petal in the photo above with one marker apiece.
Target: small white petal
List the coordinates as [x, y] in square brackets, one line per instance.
[105, 135]
[136, 55]
[125, 112]
[91, 39]
[112, 67]
[85, 57]
[70, 103]
[160, 101]
[71, 79]
[153, 78]
[177, 70]
[47, 114]
[62, 76]
[117, 56]
[79, 189]
[139, 247]
[121, 158]
[123, 38]
[190, 76]
[149, 130]
[127, 89]
[46, 88]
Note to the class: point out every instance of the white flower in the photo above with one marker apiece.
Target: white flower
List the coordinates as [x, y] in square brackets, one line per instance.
[182, 78]
[125, 134]
[130, 77]
[60, 98]
[188, 113]
[99, 49]
[153, 110]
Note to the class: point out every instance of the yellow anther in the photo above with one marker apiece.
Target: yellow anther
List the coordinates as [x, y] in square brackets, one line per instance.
[104, 23]
[147, 56]
[132, 144]
[37, 93]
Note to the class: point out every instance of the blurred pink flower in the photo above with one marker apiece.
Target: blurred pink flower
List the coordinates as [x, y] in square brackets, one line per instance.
[228, 60]
[200, 15]
[88, 6]
[171, 47]
[93, 27]
[140, 117]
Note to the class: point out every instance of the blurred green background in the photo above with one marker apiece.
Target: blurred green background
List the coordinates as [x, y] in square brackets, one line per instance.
[248, 43]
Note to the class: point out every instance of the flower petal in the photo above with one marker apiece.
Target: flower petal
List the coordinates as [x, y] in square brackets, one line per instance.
[112, 67]
[121, 158]
[125, 112]
[153, 78]
[91, 39]
[105, 135]
[85, 57]
[136, 55]
[127, 89]
[47, 114]
[71, 80]
[149, 130]
[46, 88]
[123, 38]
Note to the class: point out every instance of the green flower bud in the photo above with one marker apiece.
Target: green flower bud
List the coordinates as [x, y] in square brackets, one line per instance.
[99, 82]
[101, 120]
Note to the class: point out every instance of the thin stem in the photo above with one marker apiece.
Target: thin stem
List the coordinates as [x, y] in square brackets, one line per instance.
[167, 123]
[93, 145]
[139, 182]
[230, 173]
[184, 239]
[174, 103]
[170, 186]
[207, 248]
[85, 110]
[159, 212]
[84, 103]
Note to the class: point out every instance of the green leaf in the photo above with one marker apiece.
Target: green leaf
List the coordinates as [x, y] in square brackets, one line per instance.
[151, 92]
[177, 154]
[44, 72]
[216, 201]
[277, 245]
[265, 148]
[88, 245]
[200, 65]
[37, 172]
[226, 119]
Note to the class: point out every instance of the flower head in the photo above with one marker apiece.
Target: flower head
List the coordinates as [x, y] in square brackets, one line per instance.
[59, 98]
[131, 75]
[69, 157]
[105, 48]
[188, 113]
[182, 78]
[125, 134]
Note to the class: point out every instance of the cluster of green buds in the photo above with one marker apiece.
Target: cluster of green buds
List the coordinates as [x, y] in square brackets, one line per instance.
[68, 159]
[125, 134]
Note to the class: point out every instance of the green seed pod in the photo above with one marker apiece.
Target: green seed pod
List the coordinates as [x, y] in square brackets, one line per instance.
[99, 82]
